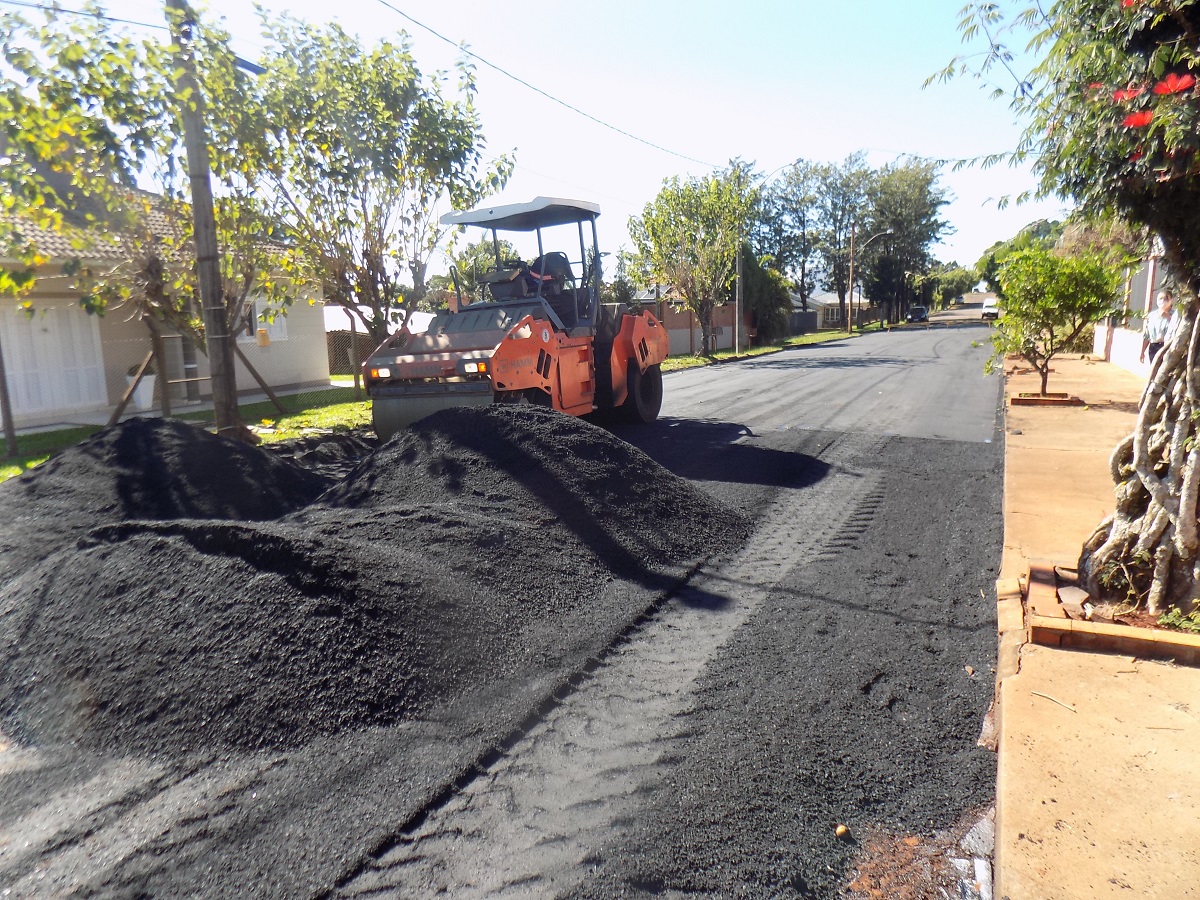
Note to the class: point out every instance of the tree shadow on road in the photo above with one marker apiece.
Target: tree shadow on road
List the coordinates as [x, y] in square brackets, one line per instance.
[704, 450]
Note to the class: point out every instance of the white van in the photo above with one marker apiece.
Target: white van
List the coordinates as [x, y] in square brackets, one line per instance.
[991, 309]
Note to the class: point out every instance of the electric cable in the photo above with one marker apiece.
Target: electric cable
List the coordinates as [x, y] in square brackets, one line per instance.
[538, 90]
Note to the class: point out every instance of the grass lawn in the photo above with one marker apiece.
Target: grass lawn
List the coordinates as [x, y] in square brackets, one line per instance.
[36, 448]
[331, 409]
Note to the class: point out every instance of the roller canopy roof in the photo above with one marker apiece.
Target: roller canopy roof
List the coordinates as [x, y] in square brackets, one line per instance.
[541, 212]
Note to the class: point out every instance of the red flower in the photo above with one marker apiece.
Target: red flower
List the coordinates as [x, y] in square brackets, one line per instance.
[1127, 93]
[1173, 84]
[1139, 119]
[1136, 155]
[1125, 4]
[1096, 86]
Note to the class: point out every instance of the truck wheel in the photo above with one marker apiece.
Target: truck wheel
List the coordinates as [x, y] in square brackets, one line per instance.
[645, 394]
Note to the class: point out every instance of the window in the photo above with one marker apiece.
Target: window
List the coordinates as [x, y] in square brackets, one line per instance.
[254, 317]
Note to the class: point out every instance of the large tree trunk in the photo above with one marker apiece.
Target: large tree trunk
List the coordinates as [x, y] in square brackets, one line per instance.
[1146, 552]
[706, 329]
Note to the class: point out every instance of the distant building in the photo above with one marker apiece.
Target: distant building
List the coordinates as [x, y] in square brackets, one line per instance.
[1119, 339]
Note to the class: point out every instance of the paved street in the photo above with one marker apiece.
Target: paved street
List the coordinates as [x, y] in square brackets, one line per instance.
[834, 670]
[837, 670]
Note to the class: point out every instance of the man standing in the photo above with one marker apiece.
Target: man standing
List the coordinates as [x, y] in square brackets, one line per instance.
[1159, 326]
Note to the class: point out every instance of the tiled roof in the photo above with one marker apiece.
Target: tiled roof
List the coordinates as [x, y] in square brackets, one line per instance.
[98, 242]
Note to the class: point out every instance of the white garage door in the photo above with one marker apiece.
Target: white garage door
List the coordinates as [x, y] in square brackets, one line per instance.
[53, 359]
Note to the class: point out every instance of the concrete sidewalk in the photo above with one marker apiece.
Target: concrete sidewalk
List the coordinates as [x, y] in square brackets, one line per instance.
[1097, 794]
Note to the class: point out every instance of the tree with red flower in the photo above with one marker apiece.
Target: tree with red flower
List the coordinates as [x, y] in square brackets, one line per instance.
[1143, 164]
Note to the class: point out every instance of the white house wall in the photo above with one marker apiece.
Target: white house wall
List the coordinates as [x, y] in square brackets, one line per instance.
[1121, 344]
[301, 359]
[66, 366]
[53, 361]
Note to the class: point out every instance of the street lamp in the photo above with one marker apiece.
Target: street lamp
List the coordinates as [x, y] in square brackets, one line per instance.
[866, 243]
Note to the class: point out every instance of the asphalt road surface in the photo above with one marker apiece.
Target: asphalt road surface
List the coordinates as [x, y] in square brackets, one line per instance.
[836, 669]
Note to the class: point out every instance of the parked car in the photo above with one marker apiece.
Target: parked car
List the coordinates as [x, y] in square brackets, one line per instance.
[917, 314]
[991, 309]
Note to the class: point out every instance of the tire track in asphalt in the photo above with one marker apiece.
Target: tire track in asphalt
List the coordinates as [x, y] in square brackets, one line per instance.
[536, 819]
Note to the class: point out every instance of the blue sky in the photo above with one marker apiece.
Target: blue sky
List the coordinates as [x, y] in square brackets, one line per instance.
[764, 81]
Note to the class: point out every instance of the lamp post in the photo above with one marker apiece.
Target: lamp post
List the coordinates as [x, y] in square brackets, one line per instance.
[866, 243]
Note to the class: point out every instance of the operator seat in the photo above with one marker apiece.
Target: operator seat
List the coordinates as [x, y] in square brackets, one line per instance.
[556, 282]
[553, 269]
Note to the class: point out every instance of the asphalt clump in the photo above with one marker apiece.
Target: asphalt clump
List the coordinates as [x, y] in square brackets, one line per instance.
[164, 591]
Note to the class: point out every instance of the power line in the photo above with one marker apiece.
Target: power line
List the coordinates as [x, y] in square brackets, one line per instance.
[78, 12]
[538, 90]
[243, 64]
[74, 12]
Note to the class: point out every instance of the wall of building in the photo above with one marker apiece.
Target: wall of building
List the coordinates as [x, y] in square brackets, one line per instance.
[63, 364]
[687, 337]
[1119, 340]
[66, 366]
[1121, 346]
[289, 352]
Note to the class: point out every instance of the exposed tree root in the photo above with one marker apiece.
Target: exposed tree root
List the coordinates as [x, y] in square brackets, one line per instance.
[1148, 551]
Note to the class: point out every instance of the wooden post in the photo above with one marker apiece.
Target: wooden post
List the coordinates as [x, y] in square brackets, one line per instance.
[160, 360]
[737, 300]
[355, 364]
[216, 322]
[119, 410]
[849, 321]
[10, 431]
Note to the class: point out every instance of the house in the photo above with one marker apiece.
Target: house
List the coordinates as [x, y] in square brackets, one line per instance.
[66, 366]
[1119, 339]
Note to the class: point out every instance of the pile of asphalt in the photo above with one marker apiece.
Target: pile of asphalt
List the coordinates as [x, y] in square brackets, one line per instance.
[144, 468]
[330, 455]
[178, 593]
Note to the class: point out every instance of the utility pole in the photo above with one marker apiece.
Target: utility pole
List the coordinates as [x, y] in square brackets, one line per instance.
[737, 301]
[182, 22]
[850, 299]
[867, 243]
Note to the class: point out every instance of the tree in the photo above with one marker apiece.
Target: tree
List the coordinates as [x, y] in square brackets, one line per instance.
[471, 262]
[905, 203]
[766, 298]
[1110, 237]
[787, 227]
[1043, 234]
[843, 205]
[948, 281]
[1048, 301]
[1113, 116]
[361, 152]
[621, 289]
[689, 234]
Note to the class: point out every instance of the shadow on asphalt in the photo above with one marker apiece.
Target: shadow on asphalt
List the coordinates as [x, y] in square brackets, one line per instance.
[782, 361]
[712, 451]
